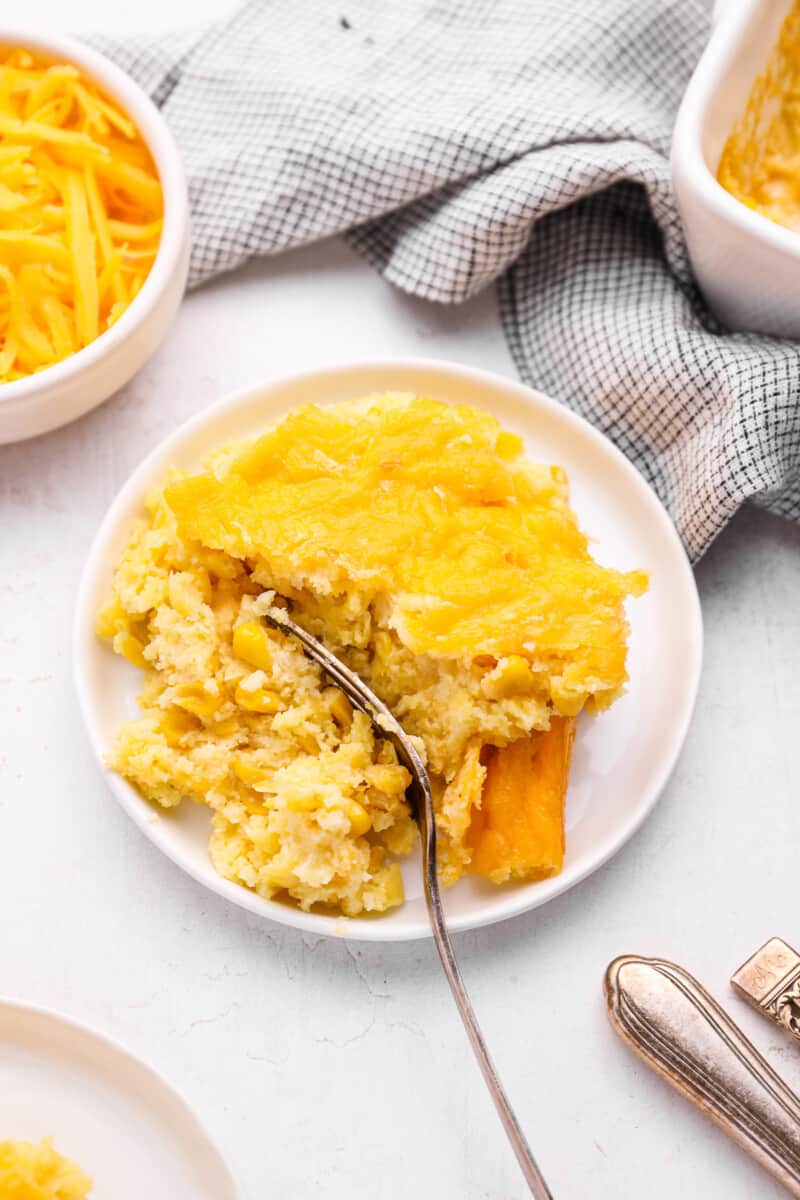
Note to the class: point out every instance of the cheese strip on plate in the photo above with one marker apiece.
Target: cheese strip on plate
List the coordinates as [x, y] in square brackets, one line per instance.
[518, 832]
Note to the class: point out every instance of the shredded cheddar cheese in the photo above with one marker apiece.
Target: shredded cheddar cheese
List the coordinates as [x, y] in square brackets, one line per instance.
[80, 213]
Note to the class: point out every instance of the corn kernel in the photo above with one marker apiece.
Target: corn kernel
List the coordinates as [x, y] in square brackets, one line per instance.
[247, 772]
[260, 700]
[517, 669]
[385, 753]
[251, 644]
[511, 677]
[341, 710]
[132, 649]
[358, 817]
[303, 804]
[226, 728]
[308, 742]
[389, 778]
[203, 581]
[377, 857]
[508, 445]
[383, 645]
[197, 699]
[174, 723]
[393, 881]
[111, 619]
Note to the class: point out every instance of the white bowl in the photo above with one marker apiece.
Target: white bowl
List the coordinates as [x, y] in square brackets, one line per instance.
[622, 758]
[72, 387]
[746, 265]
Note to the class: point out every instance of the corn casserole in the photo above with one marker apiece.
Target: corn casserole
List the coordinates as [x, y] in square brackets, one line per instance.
[417, 541]
[760, 163]
[36, 1171]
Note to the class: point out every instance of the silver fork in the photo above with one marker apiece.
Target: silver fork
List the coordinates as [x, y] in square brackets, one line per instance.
[387, 725]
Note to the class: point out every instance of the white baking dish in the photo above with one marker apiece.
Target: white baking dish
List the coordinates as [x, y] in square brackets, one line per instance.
[747, 266]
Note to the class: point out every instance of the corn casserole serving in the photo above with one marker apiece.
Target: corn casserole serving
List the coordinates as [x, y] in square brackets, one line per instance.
[36, 1171]
[416, 540]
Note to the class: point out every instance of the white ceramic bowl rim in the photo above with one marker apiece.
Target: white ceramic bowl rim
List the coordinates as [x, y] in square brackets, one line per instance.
[153, 129]
[731, 19]
[517, 901]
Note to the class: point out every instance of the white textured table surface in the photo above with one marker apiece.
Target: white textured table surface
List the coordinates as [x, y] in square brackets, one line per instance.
[341, 1071]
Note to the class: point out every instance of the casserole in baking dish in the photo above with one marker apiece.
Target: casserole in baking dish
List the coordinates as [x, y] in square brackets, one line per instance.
[746, 264]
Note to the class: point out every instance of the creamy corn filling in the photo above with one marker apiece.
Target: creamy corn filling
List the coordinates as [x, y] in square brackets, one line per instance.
[419, 544]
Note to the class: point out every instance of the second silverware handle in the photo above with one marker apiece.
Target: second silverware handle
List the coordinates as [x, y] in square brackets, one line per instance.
[664, 1014]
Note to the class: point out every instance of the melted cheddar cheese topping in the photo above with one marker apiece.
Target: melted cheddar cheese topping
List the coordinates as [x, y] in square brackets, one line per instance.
[433, 513]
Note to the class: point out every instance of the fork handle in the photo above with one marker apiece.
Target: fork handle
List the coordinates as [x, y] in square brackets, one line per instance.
[387, 725]
[671, 1022]
[519, 1144]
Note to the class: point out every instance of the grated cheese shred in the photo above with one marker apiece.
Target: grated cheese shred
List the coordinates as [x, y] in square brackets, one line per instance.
[81, 213]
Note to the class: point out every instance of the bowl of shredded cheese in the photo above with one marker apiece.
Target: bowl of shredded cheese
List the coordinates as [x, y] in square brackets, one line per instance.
[94, 230]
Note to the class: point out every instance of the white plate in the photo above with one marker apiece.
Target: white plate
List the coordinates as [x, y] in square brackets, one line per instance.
[108, 1112]
[622, 758]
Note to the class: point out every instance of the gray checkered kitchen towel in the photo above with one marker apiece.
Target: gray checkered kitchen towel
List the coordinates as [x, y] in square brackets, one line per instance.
[458, 142]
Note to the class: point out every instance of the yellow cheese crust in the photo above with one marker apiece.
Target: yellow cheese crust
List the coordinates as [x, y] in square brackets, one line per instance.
[432, 513]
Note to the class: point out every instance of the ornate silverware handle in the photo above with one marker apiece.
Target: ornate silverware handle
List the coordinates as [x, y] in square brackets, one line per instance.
[664, 1014]
[770, 982]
